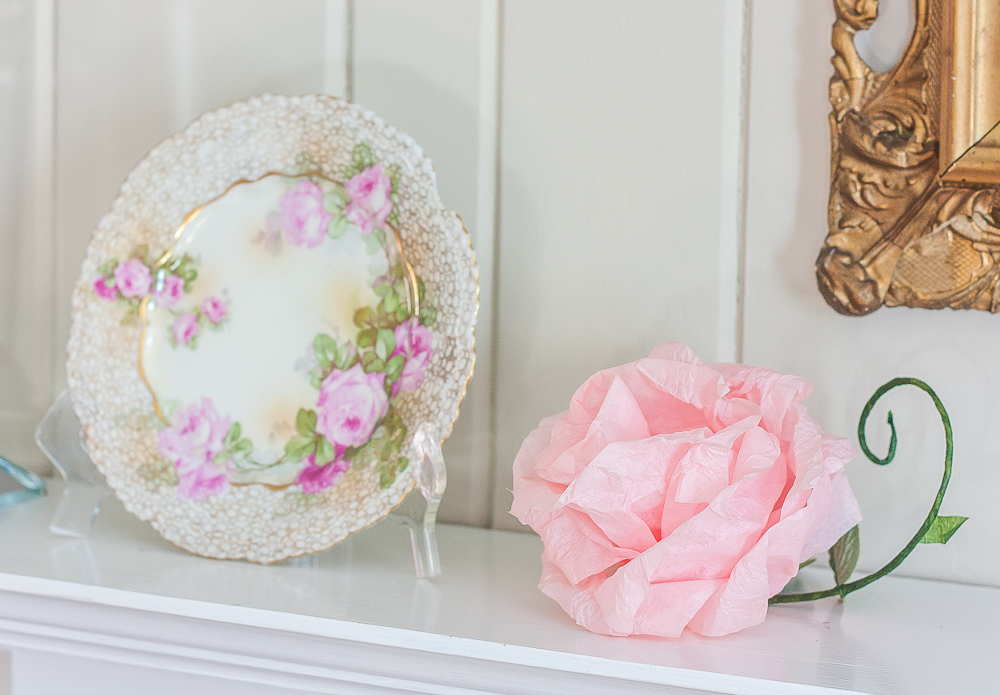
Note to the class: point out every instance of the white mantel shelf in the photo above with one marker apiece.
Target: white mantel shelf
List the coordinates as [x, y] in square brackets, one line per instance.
[355, 620]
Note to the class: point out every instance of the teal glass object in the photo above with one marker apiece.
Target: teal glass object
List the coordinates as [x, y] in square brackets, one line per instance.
[33, 484]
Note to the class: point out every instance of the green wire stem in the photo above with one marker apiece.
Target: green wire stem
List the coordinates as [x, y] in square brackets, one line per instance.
[845, 589]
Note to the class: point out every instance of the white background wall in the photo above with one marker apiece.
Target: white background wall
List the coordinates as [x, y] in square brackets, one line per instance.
[629, 177]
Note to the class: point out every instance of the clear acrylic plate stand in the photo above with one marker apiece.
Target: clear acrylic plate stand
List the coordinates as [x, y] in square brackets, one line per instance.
[60, 438]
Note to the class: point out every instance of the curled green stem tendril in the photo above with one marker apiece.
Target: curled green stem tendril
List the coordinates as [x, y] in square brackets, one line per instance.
[845, 589]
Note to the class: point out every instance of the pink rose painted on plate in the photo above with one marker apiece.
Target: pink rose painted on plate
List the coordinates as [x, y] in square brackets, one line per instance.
[103, 290]
[191, 442]
[413, 341]
[214, 309]
[172, 292]
[370, 205]
[315, 478]
[132, 278]
[304, 219]
[674, 494]
[185, 328]
[350, 405]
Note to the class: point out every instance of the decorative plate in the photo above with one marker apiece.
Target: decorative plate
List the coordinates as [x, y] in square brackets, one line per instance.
[275, 302]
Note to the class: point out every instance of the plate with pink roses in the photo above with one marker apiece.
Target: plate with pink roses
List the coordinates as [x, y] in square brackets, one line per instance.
[274, 304]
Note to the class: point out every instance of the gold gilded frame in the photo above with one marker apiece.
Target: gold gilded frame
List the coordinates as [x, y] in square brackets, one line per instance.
[915, 167]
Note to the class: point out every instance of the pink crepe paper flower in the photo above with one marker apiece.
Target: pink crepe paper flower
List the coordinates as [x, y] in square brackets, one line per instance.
[103, 290]
[370, 205]
[303, 217]
[172, 292]
[315, 478]
[191, 442]
[413, 342]
[185, 328]
[676, 494]
[214, 309]
[132, 278]
[350, 405]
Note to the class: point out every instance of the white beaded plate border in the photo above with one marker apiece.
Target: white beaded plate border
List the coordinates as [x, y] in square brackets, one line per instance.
[245, 141]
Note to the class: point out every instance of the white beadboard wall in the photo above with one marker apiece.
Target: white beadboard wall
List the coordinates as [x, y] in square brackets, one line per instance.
[630, 172]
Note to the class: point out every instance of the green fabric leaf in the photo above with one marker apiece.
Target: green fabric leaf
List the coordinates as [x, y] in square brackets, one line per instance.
[299, 447]
[305, 422]
[844, 555]
[943, 528]
[244, 446]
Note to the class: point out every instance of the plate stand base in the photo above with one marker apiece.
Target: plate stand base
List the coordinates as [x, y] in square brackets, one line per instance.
[60, 438]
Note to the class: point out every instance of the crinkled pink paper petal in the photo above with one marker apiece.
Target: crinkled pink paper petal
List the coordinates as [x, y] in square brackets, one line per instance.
[773, 391]
[674, 494]
[534, 498]
[842, 514]
[618, 420]
[708, 545]
[578, 546]
[703, 472]
[577, 600]
[692, 384]
[675, 352]
[740, 602]
[758, 451]
[623, 488]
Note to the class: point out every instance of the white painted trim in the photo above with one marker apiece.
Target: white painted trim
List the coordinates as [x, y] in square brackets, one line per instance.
[336, 48]
[43, 191]
[181, 62]
[487, 220]
[317, 654]
[732, 217]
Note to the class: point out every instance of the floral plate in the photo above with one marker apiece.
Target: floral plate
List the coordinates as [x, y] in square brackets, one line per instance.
[275, 302]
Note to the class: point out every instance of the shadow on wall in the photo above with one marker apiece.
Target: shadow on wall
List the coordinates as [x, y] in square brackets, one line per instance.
[813, 134]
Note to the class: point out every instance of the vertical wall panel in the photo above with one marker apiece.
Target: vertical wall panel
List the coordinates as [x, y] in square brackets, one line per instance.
[429, 68]
[26, 55]
[791, 329]
[611, 186]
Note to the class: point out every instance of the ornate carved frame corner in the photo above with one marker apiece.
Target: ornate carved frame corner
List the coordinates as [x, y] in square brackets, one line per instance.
[914, 213]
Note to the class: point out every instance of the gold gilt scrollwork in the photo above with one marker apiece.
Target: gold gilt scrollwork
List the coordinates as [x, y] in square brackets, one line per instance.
[900, 234]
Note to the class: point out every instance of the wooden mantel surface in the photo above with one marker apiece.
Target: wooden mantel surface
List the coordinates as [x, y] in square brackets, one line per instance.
[354, 619]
